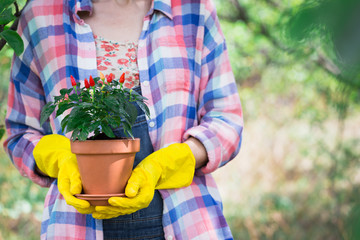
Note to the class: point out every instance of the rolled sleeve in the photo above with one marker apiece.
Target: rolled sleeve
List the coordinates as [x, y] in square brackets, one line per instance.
[219, 113]
[25, 100]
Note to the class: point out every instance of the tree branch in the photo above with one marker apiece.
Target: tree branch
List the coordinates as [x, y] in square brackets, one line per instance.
[272, 3]
[17, 12]
[243, 15]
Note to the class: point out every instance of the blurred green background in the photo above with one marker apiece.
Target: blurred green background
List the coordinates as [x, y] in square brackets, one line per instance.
[298, 173]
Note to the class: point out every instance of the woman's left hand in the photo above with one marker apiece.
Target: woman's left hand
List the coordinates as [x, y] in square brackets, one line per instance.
[139, 194]
[167, 168]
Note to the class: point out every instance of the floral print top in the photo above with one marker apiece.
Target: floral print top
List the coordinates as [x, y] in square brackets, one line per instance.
[117, 58]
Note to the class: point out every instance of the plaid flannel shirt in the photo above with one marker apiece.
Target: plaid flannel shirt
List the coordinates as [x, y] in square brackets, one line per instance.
[186, 76]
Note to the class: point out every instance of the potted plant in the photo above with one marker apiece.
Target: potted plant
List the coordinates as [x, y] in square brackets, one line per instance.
[93, 111]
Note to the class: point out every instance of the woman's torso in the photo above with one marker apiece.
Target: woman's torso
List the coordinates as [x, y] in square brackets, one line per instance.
[170, 61]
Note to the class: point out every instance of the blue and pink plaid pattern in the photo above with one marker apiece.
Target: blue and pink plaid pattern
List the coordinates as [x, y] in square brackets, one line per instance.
[185, 74]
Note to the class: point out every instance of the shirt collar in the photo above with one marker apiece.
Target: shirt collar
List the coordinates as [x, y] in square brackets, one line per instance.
[80, 5]
[163, 6]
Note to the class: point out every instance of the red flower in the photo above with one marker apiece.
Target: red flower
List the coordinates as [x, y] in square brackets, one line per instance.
[107, 63]
[87, 85]
[73, 82]
[91, 80]
[122, 78]
[112, 76]
[109, 78]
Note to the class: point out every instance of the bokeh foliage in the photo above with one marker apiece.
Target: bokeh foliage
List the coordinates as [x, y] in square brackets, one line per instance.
[297, 176]
[298, 73]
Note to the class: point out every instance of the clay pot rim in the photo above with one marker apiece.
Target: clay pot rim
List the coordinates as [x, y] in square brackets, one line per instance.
[106, 146]
[110, 140]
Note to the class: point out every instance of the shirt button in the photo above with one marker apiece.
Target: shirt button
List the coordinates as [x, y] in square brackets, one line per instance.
[169, 237]
[145, 83]
[151, 124]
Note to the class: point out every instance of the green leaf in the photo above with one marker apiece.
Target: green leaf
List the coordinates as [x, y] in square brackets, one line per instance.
[74, 97]
[75, 134]
[144, 107]
[94, 126]
[77, 118]
[57, 99]
[2, 132]
[111, 103]
[107, 130]
[47, 110]
[128, 130]
[114, 122]
[63, 106]
[123, 113]
[6, 3]
[64, 122]
[107, 88]
[85, 96]
[84, 106]
[14, 40]
[6, 17]
[83, 135]
[132, 111]
[65, 91]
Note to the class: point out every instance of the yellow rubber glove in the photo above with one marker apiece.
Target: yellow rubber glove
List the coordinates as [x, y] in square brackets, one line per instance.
[54, 158]
[167, 168]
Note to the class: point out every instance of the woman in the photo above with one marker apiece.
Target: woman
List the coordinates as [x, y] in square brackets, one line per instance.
[181, 67]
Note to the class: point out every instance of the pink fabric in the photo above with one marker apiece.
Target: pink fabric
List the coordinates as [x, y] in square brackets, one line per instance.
[118, 58]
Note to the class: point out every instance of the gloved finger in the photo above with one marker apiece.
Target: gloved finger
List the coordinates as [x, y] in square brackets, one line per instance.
[71, 172]
[107, 209]
[75, 184]
[105, 212]
[141, 200]
[132, 189]
[73, 201]
[137, 177]
[110, 211]
[64, 189]
[88, 210]
[104, 216]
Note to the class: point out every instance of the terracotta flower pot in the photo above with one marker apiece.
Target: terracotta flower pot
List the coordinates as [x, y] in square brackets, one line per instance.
[105, 165]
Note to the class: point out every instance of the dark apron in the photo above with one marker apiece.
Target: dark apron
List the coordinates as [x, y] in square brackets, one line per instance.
[145, 223]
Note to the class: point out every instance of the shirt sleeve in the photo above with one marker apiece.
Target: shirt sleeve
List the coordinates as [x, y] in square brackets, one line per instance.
[219, 113]
[25, 101]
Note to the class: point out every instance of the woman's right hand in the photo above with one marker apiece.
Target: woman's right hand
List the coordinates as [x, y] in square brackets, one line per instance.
[54, 158]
